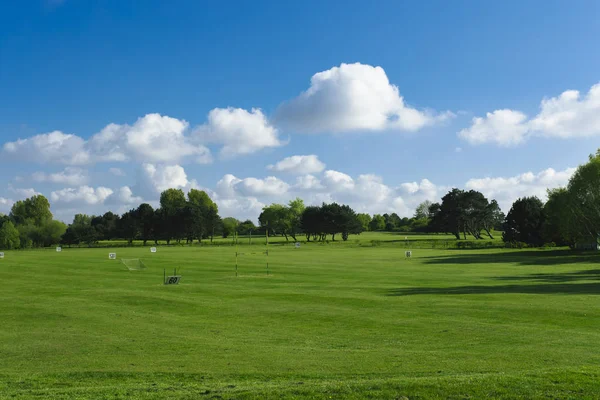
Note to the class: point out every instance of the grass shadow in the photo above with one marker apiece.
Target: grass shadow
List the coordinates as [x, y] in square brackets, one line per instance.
[525, 257]
[561, 288]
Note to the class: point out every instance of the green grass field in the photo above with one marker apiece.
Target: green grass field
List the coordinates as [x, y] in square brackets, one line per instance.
[329, 321]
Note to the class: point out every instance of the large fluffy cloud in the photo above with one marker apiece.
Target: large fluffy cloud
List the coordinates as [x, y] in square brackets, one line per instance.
[81, 195]
[153, 179]
[352, 97]
[230, 186]
[365, 193]
[54, 147]
[567, 116]
[125, 196]
[238, 130]
[507, 190]
[308, 182]
[70, 176]
[153, 138]
[299, 165]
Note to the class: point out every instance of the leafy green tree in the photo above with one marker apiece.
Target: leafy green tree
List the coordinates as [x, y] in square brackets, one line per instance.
[365, 220]
[473, 205]
[51, 232]
[9, 236]
[450, 215]
[560, 226]
[348, 222]
[275, 218]
[172, 199]
[145, 221]
[293, 216]
[202, 216]
[422, 210]
[584, 195]
[106, 225]
[492, 218]
[312, 222]
[83, 230]
[213, 221]
[128, 226]
[159, 226]
[230, 226]
[172, 203]
[247, 228]
[525, 221]
[377, 223]
[34, 210]
[69, 238]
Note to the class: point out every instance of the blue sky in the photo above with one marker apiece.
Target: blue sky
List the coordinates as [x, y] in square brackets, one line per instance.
[390, 111]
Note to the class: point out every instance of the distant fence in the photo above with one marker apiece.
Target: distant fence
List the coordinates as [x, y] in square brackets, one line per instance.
[436, 244]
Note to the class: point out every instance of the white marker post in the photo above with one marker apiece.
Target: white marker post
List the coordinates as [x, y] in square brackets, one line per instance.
[112, 256]
[58, 249]
[152, 249]
[1, 255]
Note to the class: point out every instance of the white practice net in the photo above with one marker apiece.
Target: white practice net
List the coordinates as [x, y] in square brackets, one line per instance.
[133, 264]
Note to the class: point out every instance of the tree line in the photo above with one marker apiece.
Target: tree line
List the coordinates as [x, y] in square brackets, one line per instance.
[571, 215]
[179, 218]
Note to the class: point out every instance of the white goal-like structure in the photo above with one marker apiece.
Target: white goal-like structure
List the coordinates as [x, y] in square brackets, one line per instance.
[133, 264]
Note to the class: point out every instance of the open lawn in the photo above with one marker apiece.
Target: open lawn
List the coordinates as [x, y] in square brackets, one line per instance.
[329, 321]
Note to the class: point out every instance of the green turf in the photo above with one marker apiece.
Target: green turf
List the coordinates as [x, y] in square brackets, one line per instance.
[329, 321]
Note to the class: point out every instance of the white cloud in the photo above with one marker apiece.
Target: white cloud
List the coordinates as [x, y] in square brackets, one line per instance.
[336, 180]
[299, 165]
[226, 186]
[269, 186]
[125, 196]
[5, 205]
[308, 182]
[230, 187]
[353, 97]
[54, 147]
[116, 171]
[504, 127]
[69, 176]
[239, 131]
[242, 208]
[567, 116]
[154, 179]
[507, 190]
[365, 193]
[23, 193]
[81, 195]
[153, 138]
